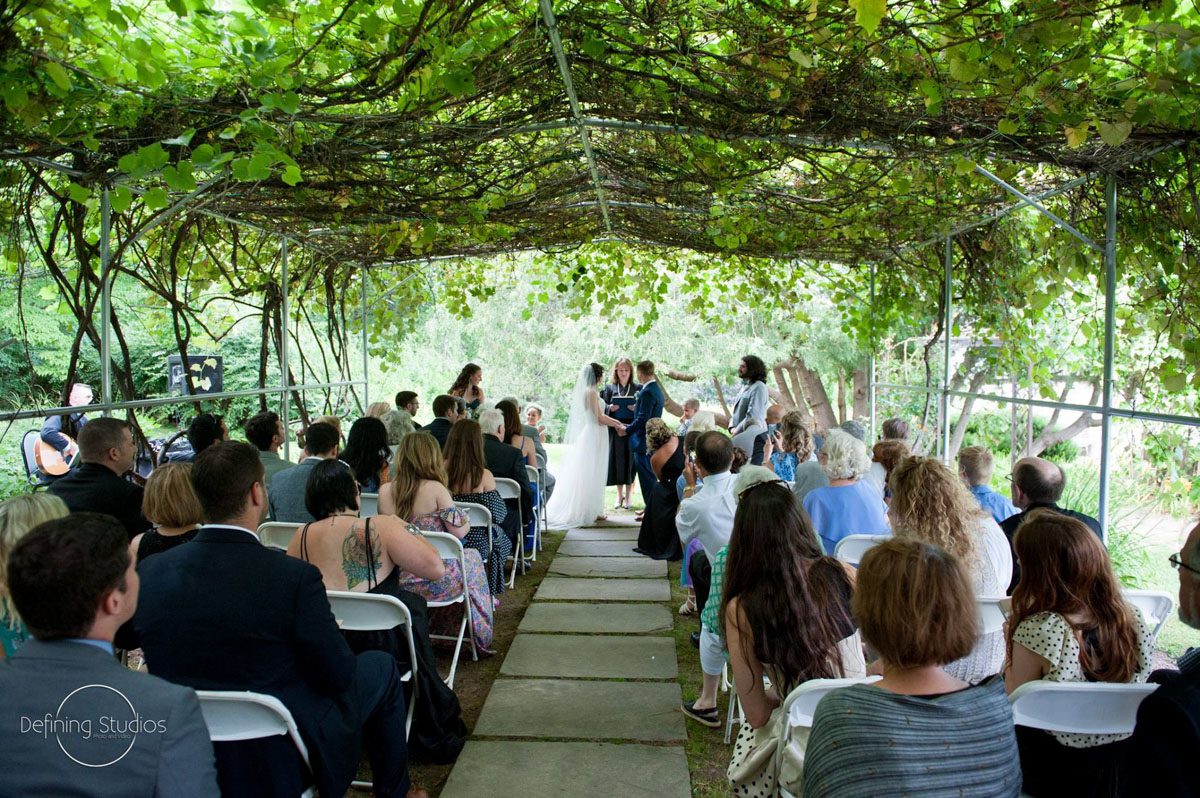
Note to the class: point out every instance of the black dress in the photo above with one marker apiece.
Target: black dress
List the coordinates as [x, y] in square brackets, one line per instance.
[658, 536]
[620, 458]
[438, 732]
[154, 543]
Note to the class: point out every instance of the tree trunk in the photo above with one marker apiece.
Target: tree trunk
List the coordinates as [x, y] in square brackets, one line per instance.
[1051, 436]
[798, 391]
[960, 429]
[679, 375]
[818, 399]
[669, 404]
[862, 398]
[785, 394]
[721, 399]
[841, 398]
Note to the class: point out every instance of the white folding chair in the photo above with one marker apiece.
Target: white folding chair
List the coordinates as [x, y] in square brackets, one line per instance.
[1155, 605]
[992, 612]
[1078, 707]
[735, 714]
[478, 515]
[852, 547]
[539, 516]
[544, 518]
[232, 716]
[277, 533]
[509, 489]
[369, 612]
[801, 705]
[451, 548]
[368, 505]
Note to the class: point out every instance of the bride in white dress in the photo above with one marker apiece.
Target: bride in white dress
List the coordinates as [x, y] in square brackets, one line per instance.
[578, 497]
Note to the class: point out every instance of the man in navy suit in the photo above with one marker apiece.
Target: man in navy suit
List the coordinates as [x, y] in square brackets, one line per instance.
[226, 613]
[649, 405]
[1160, 757]
[76, 721]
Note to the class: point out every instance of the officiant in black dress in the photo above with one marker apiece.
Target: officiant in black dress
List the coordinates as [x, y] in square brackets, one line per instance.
[618, 398]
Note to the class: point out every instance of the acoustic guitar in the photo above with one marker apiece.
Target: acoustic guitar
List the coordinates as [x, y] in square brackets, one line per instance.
[50, 460]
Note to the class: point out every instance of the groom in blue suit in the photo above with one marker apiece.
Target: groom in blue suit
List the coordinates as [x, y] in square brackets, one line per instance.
[649, 405]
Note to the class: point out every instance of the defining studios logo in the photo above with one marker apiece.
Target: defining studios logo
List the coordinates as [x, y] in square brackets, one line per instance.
[95, 725]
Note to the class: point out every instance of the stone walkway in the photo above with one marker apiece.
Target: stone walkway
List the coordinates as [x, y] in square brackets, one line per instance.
[587, 702]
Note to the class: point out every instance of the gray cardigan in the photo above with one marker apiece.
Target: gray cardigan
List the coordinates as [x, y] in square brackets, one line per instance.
[867, 742]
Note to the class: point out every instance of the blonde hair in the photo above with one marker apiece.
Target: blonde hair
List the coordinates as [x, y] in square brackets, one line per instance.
[976, 464]
[378, 409]
[797, 437]
[657, 433]
[845, 456]
[332, 421]
[170, 500]
[703, 421]
[418, 458]
[18, 515]
[929, 503]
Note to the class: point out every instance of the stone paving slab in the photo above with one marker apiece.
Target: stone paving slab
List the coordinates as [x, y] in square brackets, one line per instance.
[596, 657]
[618, 533]
[597, 548]
[569, 770]
[628, 567]
[543, 616]
[647, 711]
[574, 588]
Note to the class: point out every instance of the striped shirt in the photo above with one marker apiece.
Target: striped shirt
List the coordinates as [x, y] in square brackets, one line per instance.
[868, 742]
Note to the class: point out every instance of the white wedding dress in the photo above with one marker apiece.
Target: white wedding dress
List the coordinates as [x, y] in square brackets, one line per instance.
[579, 493]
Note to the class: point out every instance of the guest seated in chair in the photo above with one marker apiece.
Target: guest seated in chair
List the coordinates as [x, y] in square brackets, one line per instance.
[469, 480]
[917, 731]
[107, 449]
[929, 503]
[1070, 623]
[226, 613]
[367, 452]
[419, 496]
[847, 506]
[368, 556]
[774, 552]
[18, 515]
[1162, 752]
[74, 584]
[172, 506]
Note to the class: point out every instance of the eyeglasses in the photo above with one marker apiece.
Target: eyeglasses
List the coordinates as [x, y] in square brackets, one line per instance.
[1177, 563]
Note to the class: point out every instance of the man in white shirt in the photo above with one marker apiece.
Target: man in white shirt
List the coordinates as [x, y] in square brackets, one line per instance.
[707, 513]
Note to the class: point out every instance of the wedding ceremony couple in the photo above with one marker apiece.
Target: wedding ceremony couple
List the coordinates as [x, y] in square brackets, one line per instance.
[587, 468]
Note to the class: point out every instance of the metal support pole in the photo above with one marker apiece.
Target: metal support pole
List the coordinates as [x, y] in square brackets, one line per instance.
[285, 388]
[105, 300]
[1110, 313]
[366, 373]
[947, 316]
[871, 358]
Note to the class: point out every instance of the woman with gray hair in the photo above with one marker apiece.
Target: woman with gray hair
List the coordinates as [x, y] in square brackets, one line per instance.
[847, 506]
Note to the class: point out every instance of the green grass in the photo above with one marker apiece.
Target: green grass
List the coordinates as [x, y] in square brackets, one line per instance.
[1175, 637]
[707, 754]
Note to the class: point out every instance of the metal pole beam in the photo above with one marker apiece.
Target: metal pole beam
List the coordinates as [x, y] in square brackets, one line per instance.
[576, 113]
[1033, 203]
[365, 361]
[105, 299]
[285, 392]
[871, 357]
[947, 320]
[1110, 315]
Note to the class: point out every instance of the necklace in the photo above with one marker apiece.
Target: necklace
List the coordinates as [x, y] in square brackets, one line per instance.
[624, 390]
[345, 515]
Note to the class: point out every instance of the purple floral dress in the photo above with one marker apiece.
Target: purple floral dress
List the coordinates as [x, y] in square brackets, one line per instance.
[445, 620]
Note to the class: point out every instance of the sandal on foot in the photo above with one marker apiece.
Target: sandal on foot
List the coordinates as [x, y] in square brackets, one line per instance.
[708, 717]
[688, 607]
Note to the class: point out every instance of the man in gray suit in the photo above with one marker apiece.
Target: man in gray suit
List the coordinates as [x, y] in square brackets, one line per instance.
[285, 490]
[76, 722]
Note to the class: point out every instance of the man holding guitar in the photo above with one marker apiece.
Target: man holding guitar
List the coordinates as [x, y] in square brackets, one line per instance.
[57, 447]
